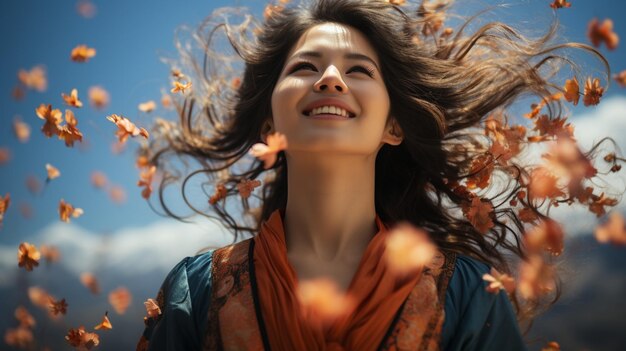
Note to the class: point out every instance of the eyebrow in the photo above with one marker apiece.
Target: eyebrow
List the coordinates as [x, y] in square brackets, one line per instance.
[349, 55]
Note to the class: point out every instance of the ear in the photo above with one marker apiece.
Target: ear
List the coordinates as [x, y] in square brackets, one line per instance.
[267, 129]
[393, 134]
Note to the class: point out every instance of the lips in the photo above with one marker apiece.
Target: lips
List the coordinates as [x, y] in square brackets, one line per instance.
[329, 102]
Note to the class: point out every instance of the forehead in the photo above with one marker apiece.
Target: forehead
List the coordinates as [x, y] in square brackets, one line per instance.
[334, 37]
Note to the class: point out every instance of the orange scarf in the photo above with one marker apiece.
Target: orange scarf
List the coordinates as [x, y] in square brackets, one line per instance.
[378, 296]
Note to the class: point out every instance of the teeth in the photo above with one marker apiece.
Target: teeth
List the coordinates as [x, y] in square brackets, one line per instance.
[329, 109]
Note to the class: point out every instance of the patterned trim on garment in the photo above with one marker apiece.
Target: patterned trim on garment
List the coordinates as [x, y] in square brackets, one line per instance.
[232, 323]
[422, 315]
[149, 322]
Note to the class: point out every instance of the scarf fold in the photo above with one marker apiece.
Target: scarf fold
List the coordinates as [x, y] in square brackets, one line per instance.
[377, 293]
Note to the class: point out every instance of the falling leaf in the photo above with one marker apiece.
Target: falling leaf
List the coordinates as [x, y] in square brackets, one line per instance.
[117, 194]
[52, 171]
[33, 185]
[551, 346]
[24, 317]
[543, 183]
[267, 153]
[166, 101]
[82, 340]
[554, 127]
[5, 155]
[126, 128]
[620, 78]
[86, 8]
[220, 193]
[28, 256]
[176, 73]
[66, 210]
[602, 33]
[613, 231]
[480, 171]
[396, 2]
[593, 92]
[271, 10]
[72, 99]
[98, 179]
[82, 53]
[53, 119]
[20, 337]
[98, 97]
[547, 235]
[57, 307]
[527, 215]
[152, 308]
[106, 323]
[498, 281]
[479, 213]
[408, 249]
[50, 253]
[89, 280]
[145, 180]
[21, 130]
[536, 278]
[322, 301]
[147, 106]
[120, 299]
[599, 202]
[4, 205]
[559, 4]
[39, 297]
[246, 186]
[572, 91]
[180, 87]
[235, 83]
[34, 79]
[68, 132]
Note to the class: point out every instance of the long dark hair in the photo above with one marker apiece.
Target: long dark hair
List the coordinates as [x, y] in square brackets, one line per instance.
[443, 85]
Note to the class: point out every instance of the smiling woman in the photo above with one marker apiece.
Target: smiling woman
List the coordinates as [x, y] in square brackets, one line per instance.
[380, 111]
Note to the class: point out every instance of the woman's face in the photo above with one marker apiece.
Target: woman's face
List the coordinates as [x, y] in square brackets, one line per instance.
[332, 65]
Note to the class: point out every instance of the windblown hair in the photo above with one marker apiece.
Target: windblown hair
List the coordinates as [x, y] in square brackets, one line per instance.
[443, 86]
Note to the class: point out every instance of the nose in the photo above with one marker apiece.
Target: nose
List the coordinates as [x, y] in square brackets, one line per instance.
[331, 81]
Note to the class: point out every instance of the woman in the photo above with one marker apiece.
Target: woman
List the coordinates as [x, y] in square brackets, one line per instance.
[377, 109]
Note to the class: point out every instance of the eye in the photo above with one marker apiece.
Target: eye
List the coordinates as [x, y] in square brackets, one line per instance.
[369, 72]
[302, 65]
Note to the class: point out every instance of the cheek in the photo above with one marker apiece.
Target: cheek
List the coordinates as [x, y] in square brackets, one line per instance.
[285, 100]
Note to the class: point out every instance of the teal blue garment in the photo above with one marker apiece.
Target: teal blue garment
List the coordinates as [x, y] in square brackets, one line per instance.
[475, 319]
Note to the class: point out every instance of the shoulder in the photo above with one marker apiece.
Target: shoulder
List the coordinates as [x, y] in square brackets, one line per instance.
[475, 318]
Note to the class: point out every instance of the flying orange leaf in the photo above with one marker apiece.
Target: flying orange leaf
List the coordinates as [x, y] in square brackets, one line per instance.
[20, 337]
[68, 132]
[559, 4]
[271, 10]
[551, 346]
[53, 119]
[82, 340]
[89, 280]
[147, 106]
[527, 215]
[547, 235]
[593, 92]
[98, 179]
[602, 33]
[28, 256]
[620, 78]
[98, 97]
[480, 171]
[408, 249]
[117, 194]
[50, 253]
[267, 153]
[166, 101]
[145, 180]
[120, 299]
[246, 186]
[599, 202]
[24, 317]
[322, 301]
[498, 281]
[106, 323]
[66, 210]
[33, 185]
[21, 130]
[82, 53]
[572, 91]
[86, 8]
[126, 128]
[220, 193]
[479, 213]
[5, 155]
[180, 87]
[52, 171]
[613, 231]
[34, 79]
[536, 277]
[57, 307]
[39, 297]
[72, 99]
[543, 183]
[152, 308]
[4, 205]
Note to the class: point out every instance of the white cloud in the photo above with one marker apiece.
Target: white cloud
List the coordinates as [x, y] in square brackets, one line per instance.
[127, 251]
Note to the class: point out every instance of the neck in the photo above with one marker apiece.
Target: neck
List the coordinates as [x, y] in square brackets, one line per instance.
[330, 214]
